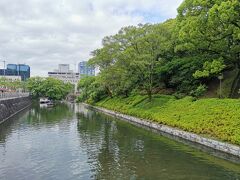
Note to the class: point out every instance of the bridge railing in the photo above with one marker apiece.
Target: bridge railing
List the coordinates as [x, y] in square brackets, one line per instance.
[7, 95]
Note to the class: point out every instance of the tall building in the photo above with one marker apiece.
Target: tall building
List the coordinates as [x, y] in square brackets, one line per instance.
[16, 70]
[85, 69]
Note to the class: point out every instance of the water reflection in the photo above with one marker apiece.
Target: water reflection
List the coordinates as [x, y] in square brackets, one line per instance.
[37, 117]
[71, 142]
[117, 149]
[45, 115]
[5, 127]
[41, 144]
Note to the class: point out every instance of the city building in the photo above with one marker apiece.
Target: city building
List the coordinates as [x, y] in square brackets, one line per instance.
[12, 78]
[85, 69]
[65, 74]
[21, 70]
[66, 77]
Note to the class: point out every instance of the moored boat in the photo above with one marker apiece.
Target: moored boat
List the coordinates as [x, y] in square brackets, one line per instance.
[44, 100]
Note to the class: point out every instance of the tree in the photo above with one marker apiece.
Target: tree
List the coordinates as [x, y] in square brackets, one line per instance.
[210, 30]
[182, 53]
[90, 89]
[210, 69]
[129, 59]
[34, 85]
[10, 84]
[49, 87]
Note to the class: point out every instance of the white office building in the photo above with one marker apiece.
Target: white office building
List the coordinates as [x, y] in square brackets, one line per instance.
[65, 74]
[66, 77]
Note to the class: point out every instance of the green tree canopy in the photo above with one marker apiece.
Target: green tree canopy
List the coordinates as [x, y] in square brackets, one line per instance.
[180, 55]
[49, 87]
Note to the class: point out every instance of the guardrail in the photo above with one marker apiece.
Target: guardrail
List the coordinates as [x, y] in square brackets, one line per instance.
[10, 95]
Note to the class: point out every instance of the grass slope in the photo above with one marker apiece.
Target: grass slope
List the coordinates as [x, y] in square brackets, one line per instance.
[216, 118]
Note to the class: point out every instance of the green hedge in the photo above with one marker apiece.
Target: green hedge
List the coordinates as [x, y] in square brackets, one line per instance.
[215, 118]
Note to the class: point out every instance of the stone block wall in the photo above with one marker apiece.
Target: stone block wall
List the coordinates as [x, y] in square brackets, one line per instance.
[9, 107]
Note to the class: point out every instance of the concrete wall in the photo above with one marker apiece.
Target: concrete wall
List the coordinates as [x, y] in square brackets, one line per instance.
[10, 107]
[211, 143]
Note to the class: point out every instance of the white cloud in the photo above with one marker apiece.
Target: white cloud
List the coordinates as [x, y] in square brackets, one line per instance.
[43, 33]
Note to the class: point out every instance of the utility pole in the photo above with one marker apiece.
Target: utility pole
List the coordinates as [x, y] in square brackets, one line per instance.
[75, 74]
[4, 62]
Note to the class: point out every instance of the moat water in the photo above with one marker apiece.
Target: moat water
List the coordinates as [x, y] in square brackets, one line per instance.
[69, 141]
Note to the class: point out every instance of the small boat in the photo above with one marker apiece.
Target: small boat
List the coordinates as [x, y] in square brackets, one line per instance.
[46, 103]
[44, 100]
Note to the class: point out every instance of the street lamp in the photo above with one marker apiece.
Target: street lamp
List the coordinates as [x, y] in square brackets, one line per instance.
[220, 77]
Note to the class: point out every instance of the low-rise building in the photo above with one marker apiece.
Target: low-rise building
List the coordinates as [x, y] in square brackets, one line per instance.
[65, 74]
[12, 78]
[66, 77]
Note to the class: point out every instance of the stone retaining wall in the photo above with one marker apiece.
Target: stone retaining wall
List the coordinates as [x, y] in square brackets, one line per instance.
[214, 144]
[10, 107]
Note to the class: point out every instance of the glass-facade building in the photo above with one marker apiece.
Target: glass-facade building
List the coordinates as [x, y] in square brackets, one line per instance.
[85, 69]
[17, 70]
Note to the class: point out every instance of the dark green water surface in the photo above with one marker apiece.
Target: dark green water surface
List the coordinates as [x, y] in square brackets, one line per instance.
[72, 142]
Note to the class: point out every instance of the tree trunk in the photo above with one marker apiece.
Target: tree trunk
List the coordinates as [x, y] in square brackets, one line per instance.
[150, 95]
[235, 86]
[108, 92]
[126, 93]
[236, 83]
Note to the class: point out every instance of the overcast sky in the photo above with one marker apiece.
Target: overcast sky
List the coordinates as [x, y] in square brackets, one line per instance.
[44, 33]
